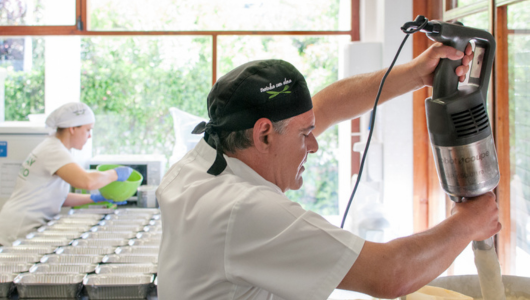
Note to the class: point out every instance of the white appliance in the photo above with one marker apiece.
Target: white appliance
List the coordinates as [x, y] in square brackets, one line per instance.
[17, 140]
[152, 166]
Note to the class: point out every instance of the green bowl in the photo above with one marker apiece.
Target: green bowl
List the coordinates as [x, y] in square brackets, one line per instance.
[120, 190]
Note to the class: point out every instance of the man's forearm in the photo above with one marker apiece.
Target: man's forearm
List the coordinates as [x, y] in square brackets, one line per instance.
[351, 97]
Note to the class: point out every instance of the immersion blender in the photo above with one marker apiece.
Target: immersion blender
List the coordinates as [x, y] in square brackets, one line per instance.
[458, 123]
[461, 135]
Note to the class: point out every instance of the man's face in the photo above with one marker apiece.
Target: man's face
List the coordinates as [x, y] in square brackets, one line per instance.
[290, 151]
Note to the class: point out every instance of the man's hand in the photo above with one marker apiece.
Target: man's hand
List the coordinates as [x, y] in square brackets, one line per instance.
[425, 64]
[480, 215]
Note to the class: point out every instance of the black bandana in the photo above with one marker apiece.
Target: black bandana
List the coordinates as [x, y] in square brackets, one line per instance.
[272, 89]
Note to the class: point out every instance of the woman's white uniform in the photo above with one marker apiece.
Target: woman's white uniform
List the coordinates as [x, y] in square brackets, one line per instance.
[39, 193]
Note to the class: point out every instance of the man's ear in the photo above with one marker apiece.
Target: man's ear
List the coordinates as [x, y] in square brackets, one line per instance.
[262, 134]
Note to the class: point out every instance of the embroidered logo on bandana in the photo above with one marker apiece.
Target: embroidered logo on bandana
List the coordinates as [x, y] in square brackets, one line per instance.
[271, 86]
[79, 112]
[284, 91]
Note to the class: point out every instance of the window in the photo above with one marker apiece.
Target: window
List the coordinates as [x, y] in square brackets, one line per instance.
[134, 60]
[519, 97]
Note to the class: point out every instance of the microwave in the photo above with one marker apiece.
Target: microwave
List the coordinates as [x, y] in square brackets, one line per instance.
[152, 166]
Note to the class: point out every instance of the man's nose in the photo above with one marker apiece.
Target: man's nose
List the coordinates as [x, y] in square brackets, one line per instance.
[312, 145]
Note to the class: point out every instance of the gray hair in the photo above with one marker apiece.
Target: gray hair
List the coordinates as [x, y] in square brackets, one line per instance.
[242, 139]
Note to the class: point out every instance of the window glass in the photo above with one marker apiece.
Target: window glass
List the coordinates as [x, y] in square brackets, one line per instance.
[214, 15]
[132, 82]
[22, 62]
[460, 3]
[479, 20]
[37, 12]
[519, 80]
[317, 59]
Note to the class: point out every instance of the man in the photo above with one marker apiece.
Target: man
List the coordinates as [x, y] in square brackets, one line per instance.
[231, 233]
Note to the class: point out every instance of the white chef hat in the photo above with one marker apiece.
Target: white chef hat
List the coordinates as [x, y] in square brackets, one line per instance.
[70, 115]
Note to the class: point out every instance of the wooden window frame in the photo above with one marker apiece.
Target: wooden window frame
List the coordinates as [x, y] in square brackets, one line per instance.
[426, 186]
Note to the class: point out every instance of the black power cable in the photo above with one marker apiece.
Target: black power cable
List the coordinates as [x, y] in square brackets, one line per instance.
[409, 28]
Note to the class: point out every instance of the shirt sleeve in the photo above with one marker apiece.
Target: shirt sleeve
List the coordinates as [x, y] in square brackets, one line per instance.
[275, 244]
[55, 156]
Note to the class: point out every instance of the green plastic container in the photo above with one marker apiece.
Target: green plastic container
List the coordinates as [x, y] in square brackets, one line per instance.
[120, 190]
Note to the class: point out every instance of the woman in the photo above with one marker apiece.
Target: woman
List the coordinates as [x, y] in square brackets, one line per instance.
[45, 177]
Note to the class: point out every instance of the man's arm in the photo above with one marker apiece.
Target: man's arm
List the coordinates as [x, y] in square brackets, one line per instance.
[351, 97]
[402, 266]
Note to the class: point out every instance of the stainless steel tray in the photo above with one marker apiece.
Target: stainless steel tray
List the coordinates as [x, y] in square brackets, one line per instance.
[155, 228]
[145, 242]
[43, 241]
[42, 285]
[145, 217]
[126, 268]
[71, 258]
[149, 235]
[130, 228]
[19, 257]
[73, 221]
[108, 235]
[118, 286]
[120, 211]
[155, 222]
[80, 216]
[124, 222]
[6, 284]
[63, 268]
[52, 234]
[100, 242]
[28, 249]
[65, 227]
[100, 211]
[85, 250]
[137, 250]
[130, 258]
[12, 267]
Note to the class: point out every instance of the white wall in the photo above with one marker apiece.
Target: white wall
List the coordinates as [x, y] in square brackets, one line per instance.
[380, 22]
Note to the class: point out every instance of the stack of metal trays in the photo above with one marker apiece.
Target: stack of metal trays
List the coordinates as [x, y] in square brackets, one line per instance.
[100, 242]
[53, 234]
[91, 211]
[145, 242]
[45, 285]
[85, 250]
[153, 228]
[80, 216]
[43, 241]
[28, 249]
[6, 284]
[19, 257]
[108, 235]
[118, 286]
[140, 221]
[130, 258]
[71, 259]
[148, 268]
[155, 223]
[149, 235]
[13, 267]
[137, 250]
[130, 216]
[65, 227]
[152, 211]
[131, 228]
[63, 268]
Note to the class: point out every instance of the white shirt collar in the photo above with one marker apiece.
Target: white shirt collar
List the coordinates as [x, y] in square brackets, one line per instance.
[235, 166]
